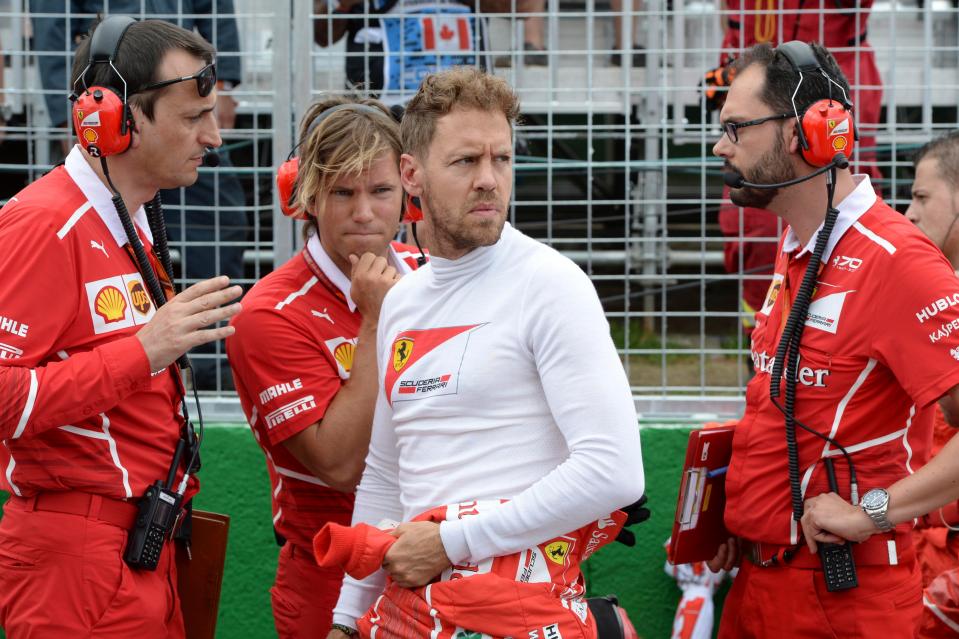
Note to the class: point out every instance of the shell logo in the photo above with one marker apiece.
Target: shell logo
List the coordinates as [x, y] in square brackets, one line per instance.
[110, 304]
[344, 355]
[839, 143]
[90, 135]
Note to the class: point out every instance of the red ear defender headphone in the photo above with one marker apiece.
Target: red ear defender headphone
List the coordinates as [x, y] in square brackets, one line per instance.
[412, 211]
[102, 119]
[286, 175]
[826, 127]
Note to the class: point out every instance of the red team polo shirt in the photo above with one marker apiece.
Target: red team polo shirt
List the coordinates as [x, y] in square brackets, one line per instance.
[881, 343]
[292, 351]
[79, 409]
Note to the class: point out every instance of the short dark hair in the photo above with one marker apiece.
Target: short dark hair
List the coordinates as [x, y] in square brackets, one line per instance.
[138, 60]
[945, 150]
[782, 78]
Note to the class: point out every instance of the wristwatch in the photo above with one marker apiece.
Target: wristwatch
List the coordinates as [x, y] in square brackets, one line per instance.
[875, 503]
[350, 632]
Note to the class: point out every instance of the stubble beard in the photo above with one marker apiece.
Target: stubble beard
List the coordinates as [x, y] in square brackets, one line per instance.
[454, 232]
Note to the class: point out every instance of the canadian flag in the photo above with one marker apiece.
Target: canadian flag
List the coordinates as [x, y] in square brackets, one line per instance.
[446, 33]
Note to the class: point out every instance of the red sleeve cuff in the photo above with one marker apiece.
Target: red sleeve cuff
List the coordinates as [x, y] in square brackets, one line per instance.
[128, 364]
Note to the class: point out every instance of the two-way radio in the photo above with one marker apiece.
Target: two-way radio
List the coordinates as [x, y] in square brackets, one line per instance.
[157, 514]
[838, 565]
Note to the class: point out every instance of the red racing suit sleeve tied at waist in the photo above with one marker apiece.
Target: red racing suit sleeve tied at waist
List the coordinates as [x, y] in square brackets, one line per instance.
[534, 589]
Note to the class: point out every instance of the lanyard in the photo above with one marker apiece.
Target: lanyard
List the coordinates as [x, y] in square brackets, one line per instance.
[787, 300]
[321, 276]
[165, 282]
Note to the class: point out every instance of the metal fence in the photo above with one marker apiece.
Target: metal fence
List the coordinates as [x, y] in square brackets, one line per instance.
[614, 156]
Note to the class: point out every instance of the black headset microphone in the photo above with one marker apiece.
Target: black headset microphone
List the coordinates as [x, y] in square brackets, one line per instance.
[735, 180]
[210, 157]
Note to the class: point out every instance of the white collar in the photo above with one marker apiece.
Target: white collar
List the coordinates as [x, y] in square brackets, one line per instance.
[853, 207]
[101, 198]
[333, 273]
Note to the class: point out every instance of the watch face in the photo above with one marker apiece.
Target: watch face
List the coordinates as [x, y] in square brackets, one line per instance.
[875, 498]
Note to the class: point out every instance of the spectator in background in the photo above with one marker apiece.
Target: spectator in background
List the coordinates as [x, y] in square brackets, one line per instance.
[309, 397]
[210, 211]
[935, 209]
[750, 22]
[392, 45]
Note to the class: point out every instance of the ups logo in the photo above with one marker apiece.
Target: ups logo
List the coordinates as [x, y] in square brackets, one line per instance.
[138, 297]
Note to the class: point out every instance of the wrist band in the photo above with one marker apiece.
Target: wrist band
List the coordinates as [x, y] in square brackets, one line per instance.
[350, 632]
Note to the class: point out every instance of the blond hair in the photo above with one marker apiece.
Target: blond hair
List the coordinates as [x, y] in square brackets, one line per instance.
[344, 143]
[440, 93]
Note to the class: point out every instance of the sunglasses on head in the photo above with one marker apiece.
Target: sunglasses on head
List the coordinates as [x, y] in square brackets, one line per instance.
[205, 81]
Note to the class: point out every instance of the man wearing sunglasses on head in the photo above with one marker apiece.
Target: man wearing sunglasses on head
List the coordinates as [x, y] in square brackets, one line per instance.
[209, 211]
[90, 413]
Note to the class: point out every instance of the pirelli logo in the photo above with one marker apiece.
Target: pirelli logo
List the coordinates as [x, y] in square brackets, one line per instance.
[9, 352]
[290, 410]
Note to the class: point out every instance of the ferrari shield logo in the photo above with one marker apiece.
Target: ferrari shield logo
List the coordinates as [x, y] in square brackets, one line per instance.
[402, 349]
[557, 551]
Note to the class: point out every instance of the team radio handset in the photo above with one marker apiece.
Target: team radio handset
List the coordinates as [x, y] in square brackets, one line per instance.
[838, 565]
[157, 513]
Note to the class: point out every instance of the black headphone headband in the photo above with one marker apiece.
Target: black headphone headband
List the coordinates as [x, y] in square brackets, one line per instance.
[351, 106]
[106, 38]
[800, 55]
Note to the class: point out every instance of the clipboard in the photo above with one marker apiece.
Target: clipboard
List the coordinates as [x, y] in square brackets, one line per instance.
[200, 579]
[698, 528]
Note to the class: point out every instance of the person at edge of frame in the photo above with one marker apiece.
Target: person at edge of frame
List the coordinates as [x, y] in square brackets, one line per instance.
[866, 384]
[934, 210]
[205, 221]
[90, 411]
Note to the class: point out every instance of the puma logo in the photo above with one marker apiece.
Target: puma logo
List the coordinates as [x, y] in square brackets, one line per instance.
[324, 315]
[96, 245]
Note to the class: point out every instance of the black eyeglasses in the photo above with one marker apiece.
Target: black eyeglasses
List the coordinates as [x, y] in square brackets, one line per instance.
[205, 81]
[731, 129]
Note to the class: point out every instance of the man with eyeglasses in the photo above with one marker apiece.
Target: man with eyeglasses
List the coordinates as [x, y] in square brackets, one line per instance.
[872, 361]
[211, 210]
[90, 407]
